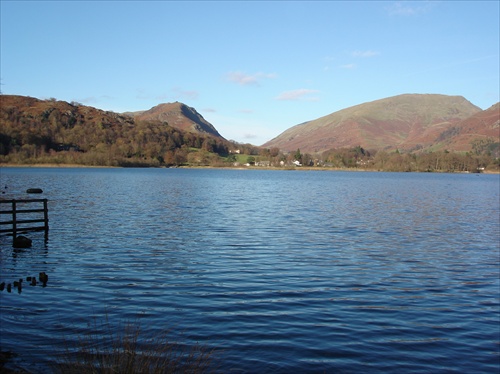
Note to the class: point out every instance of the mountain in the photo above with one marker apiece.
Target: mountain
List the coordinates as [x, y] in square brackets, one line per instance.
[33, 129]
[43, 115]
[407, 122]
[25, 110]
[482, 126]
[177, 115]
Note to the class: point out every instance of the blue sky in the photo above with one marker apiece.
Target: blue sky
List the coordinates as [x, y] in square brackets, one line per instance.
[252, 68]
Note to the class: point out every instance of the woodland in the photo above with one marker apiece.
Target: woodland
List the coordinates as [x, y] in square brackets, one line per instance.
[68, 136]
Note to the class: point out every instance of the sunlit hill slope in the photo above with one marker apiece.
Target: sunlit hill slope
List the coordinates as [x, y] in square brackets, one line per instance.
[31, 128]
[177, 115]
[411, 122]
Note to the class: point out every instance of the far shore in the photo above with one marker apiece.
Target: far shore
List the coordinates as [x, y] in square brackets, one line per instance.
[304, 168]
[54, 166]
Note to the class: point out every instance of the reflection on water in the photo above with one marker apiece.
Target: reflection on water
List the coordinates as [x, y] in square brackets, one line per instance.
[281, 271]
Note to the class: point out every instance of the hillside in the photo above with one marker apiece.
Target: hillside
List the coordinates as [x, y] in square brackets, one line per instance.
[36, 129]
[482, 127]
[428, 126]
[408, 122]
[177, 115]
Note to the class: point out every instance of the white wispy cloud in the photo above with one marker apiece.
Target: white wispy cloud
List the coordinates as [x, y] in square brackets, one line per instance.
[365, 54]
[299, 94]
[248, 79]
[409, 8]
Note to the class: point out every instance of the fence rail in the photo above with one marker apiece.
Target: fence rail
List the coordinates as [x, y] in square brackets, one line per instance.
[32, 214]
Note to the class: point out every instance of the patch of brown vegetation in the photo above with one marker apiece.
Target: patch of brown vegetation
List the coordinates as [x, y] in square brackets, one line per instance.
[404, 122]
[178, 115]
[480, 126]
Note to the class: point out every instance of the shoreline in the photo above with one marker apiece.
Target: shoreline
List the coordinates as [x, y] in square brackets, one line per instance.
[69, 166]
[55, 166]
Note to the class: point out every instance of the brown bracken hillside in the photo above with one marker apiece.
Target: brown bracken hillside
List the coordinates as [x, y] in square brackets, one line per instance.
[178, 115]
[32, 129]
[411, 123]
[481, 127]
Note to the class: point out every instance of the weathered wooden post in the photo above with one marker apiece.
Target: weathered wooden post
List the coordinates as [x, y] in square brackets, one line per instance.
[46, 219]
[29, 224]
[14, 220]
[45, 216]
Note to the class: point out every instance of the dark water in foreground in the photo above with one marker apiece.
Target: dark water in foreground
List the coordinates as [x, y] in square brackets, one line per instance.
[282, 271]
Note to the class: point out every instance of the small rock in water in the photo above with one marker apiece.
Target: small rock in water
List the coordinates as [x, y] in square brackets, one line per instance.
[22, 242]
[44, 278]
[34, 190]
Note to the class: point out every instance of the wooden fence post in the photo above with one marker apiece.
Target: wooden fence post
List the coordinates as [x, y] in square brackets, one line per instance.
[14, 220]
[18, 210]
[45, 215]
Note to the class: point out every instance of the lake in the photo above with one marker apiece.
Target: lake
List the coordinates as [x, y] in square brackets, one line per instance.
[279, 271]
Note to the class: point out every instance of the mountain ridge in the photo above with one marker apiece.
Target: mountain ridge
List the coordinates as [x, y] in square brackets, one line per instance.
[409, 122]
[34, 129]
[177, 115]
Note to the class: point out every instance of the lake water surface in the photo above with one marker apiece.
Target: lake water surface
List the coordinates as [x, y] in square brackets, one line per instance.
[281, 271]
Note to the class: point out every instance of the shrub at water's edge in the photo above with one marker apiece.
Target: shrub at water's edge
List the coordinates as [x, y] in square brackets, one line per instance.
[102, 348]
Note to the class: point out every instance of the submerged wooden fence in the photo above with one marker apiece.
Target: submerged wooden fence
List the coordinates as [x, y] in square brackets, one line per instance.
[17, 209]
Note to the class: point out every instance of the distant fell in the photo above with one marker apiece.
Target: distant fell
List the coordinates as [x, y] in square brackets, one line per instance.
[32, 130]
[177, 115]
[409, 122]
[483, 126]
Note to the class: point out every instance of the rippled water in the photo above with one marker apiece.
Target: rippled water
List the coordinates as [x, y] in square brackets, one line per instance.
[282, 271]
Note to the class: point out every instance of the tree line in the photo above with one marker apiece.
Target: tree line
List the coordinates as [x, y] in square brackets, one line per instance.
[359, 158]
[74, 134]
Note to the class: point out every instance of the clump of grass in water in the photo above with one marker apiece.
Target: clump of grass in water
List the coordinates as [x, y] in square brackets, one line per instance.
[102, 349]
